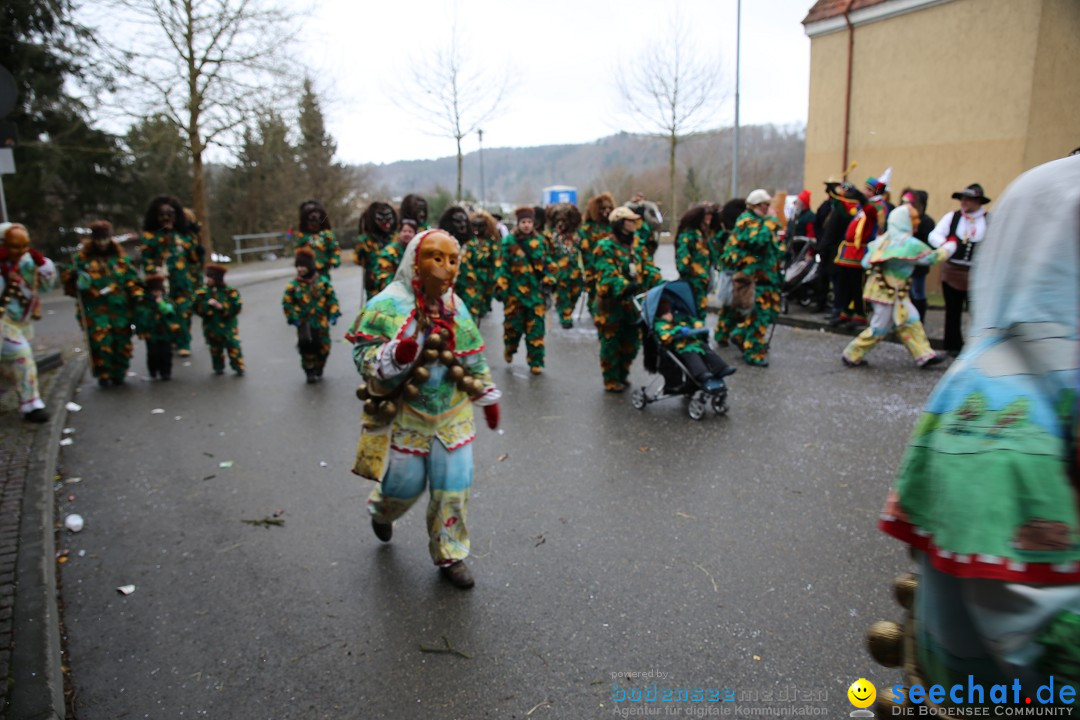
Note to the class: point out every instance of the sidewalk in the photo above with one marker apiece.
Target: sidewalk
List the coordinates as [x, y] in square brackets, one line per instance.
[31, 663]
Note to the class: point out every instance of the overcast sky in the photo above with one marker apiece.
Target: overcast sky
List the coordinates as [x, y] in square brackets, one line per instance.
[564, 54]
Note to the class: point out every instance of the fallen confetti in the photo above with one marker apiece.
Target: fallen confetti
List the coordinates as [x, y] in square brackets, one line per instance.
[68, 431]
[125, 589]
[266, 522]
[67, 441]
[503, 457]
[323, 463]
[225, 464]
[73, 407]
[157, 411]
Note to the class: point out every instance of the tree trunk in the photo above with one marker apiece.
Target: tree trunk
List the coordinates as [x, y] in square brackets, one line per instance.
[459, 163]
[672, 213]
[195, 141]
[198, 193]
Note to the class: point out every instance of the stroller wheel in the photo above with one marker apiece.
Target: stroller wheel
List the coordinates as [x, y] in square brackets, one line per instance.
[637, 398]
[719, 403]
[696, 408]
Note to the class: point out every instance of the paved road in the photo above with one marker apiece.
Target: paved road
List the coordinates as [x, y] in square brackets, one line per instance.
[736, 552]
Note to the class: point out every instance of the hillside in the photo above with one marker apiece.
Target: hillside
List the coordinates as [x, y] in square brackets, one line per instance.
[770, 157]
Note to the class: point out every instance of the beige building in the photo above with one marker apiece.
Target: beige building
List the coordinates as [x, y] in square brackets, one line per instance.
[946, 92]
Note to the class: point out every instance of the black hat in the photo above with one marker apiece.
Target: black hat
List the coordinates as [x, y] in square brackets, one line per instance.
[973, 191]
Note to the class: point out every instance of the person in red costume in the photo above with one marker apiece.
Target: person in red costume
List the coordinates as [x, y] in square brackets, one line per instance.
[421, 357]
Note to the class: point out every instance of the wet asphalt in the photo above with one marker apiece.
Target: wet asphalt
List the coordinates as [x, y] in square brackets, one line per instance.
[737, 554]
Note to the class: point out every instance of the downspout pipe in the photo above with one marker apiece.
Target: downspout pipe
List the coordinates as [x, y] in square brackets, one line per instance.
[847, 92]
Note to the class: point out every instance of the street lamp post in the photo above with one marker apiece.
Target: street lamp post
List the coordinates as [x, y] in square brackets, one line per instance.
[735, 139]
[483, 194]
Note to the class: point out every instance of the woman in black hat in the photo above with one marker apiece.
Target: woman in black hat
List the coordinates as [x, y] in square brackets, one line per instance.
[966, 227]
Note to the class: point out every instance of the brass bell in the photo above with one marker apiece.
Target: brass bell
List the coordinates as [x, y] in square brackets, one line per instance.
[446, 357]
[430, 355]
[456, 373]
[361, 391]
[387, 410]
[434, 341]
[370, 408]
[421, 374]
[904, 586]
[883, 640]
[411, 391]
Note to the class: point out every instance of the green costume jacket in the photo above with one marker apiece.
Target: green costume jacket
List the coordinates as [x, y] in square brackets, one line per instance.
[668, 333]
[523, 268]
[754, 250]
[386, 265]
[313, 302]
[326, 248]
[218, 322]
[109, 290]
[621, 272]
[176, 255]
[156, 320]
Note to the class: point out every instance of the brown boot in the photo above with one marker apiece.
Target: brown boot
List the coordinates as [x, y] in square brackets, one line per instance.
[458, 574]
[536, 370]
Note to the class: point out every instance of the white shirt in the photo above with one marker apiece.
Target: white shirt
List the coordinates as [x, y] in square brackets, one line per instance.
[971, 228]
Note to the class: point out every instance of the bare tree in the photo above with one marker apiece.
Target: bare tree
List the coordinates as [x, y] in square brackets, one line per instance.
[672, 89]
[205, 65]
[457, 93]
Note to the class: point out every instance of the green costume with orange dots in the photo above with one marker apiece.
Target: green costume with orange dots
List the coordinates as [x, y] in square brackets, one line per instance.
[523, 269]
[108, 292]
[621, 272]
[312, 303]
[220, 325]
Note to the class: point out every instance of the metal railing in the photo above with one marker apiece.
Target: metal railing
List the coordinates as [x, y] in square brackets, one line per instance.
[266, 240]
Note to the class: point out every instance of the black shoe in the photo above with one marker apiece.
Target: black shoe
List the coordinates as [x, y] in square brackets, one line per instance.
[311, 377]
[219, 371]
[239, 373]
[166, 376]
[933, 360]
[729, 370]
[567, 324]
[383, 531]
[837, 321]
[318, 371]
[852, 363]
[37, 415]
[103, 382]
[458, 574]
[153, 373]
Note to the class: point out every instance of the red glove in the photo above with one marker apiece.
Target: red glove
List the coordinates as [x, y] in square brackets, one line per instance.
[38, 258]
[953, 238]
[406, 351]
[491, 415]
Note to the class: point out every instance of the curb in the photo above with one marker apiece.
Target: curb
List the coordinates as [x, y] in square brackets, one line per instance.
[37, 691]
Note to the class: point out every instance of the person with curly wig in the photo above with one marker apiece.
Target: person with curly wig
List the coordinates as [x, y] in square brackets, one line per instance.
[694, 253]
[595, 228]
[377, 225]
[316, 234]
[481, 260]
[169, 247]
[566, 251]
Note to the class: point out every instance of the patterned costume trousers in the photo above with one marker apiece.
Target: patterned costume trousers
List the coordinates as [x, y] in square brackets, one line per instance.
[520, 320]
[568, 289]
[17, 366]
[220, 345]
[752, 331]
[620, 340]
[882, 322]
[448, 476]
[313, 353]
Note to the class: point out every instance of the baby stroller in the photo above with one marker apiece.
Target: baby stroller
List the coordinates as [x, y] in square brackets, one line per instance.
[661, 360]
[801, 269]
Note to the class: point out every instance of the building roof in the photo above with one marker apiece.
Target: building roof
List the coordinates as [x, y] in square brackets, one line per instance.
[825, 9]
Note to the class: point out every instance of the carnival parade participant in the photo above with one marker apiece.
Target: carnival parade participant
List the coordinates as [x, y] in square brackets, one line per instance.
[565, 219]
[595, 228]
[524, 275]
[891, 259]
[388, 259]
[415, 207]
[107, 290]
[848, 269]
[687, 338]
[987, 490]
[755, 255]
[482, 260]
[455, 222]
[694, 253]
[219, 307]
[311, 306]
[967, 228]
[24, 274]
[316, 234]
[377, 224]
[727, 317]
[623, 269]
[423, 366]
[157, 323]
[168, 247]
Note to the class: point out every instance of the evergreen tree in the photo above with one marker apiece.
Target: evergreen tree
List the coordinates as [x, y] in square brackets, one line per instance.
[66, 171]
[323, 179]
[158, 163]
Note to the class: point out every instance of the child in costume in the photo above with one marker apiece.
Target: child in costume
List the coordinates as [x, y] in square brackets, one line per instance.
[219, 306]
[24, 272]
[891, 260]
[421, 358]
[687, 338]
[107, 289]
[311, 305]
[158, 323]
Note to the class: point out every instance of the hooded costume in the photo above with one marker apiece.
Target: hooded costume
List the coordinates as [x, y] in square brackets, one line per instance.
[19, 304]
[311, 305]
[988, 489]
[891, 260]
[219, 307]
[524, 272]
[157, 323]
[418, 424]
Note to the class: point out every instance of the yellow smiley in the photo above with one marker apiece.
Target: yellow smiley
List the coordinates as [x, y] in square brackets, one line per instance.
[861, 693]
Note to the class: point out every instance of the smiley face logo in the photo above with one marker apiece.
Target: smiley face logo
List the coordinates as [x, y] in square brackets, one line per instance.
[861, 693]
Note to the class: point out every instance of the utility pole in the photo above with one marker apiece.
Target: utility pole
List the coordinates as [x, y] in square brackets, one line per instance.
[483, 194]
[735, 139]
